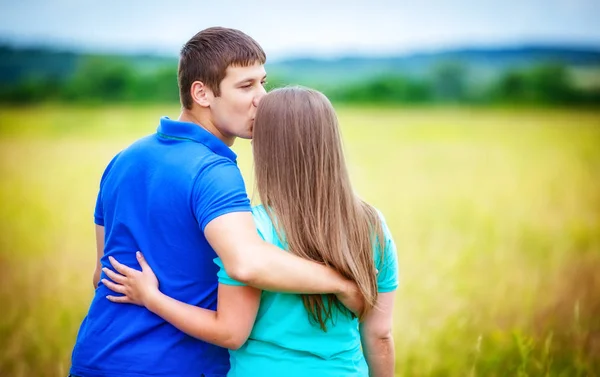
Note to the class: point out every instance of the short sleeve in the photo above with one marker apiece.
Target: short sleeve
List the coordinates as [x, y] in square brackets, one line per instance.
[387, 279]
[219, 189]
[99, 209]
[264, 226]
[223, 277]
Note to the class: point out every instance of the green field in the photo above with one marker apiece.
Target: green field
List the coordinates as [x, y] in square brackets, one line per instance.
[495, 213]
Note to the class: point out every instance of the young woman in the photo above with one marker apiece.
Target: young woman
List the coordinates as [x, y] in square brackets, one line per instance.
[310, 209]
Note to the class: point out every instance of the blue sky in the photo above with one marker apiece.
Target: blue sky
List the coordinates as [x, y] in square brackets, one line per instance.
[309, 27]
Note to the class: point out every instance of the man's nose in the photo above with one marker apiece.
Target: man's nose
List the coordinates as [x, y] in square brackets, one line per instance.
[259, 95]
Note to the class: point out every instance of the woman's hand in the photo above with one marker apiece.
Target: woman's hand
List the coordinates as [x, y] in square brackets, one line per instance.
[137, 287]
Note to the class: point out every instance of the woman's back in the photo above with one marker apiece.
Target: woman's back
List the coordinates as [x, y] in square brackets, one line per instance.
[285, 342]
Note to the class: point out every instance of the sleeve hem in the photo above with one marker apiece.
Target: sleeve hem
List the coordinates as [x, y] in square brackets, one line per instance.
[233, 283]
[387, 289]
[222, 212]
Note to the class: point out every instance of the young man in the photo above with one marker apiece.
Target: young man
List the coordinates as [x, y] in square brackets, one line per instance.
[178, 196]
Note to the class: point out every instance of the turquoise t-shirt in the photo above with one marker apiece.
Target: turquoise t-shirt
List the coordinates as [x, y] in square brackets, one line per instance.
[284, 342]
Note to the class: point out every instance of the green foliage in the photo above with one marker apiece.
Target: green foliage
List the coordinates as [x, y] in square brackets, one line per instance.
[384, 89]
[543, 84]
[449, 82]
[98, 79]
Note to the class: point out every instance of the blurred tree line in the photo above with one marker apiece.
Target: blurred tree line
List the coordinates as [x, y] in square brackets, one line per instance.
[542, 84]
[104, 80]
[96, 80]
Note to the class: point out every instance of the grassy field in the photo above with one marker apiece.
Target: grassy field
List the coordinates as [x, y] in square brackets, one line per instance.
[496, 215]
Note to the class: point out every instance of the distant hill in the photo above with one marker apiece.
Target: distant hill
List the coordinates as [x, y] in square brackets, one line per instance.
[19, 63]
[480, 62]
[16, 63]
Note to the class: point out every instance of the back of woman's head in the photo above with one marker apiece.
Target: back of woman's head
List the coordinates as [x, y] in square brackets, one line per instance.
[302, 180]
[296, 144]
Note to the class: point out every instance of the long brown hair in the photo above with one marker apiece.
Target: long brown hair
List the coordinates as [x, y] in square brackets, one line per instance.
[303, 183]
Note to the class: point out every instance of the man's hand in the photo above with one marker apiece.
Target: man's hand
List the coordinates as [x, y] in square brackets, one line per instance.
[351, 298]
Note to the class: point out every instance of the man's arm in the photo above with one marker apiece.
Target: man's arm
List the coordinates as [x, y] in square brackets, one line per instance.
[376, 337]
[99, 254]
[249, 259]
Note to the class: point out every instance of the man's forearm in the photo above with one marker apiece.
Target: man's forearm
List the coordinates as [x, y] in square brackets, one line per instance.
[269, 268]
[251, 260]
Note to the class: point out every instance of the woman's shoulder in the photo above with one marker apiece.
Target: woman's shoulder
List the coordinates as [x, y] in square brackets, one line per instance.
[263, 222]
[260, 214]
[386, 230]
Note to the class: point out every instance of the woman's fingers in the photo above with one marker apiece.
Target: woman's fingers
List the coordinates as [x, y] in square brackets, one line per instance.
[114, 276]
[120, 299]
[113, 287]
[142, 261]
[124, 270]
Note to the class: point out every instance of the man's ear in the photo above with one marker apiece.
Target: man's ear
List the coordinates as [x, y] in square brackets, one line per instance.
[201, 94]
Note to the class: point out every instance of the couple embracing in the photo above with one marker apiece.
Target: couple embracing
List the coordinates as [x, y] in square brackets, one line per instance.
[301, 285]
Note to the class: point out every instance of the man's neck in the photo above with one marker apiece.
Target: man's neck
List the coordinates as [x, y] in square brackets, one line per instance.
[204, 122]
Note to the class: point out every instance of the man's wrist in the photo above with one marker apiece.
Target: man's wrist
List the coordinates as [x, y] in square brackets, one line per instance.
[345, 288]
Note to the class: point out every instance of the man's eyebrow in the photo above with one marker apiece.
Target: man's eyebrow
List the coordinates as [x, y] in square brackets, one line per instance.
[250, 79]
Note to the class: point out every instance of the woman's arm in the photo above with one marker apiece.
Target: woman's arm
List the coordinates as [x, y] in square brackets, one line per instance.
[376, 337]
[227, 327]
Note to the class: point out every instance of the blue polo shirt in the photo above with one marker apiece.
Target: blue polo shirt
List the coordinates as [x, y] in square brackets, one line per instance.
[157, 196]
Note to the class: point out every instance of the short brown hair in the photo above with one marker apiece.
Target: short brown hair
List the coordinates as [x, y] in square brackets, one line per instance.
[206, 56]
